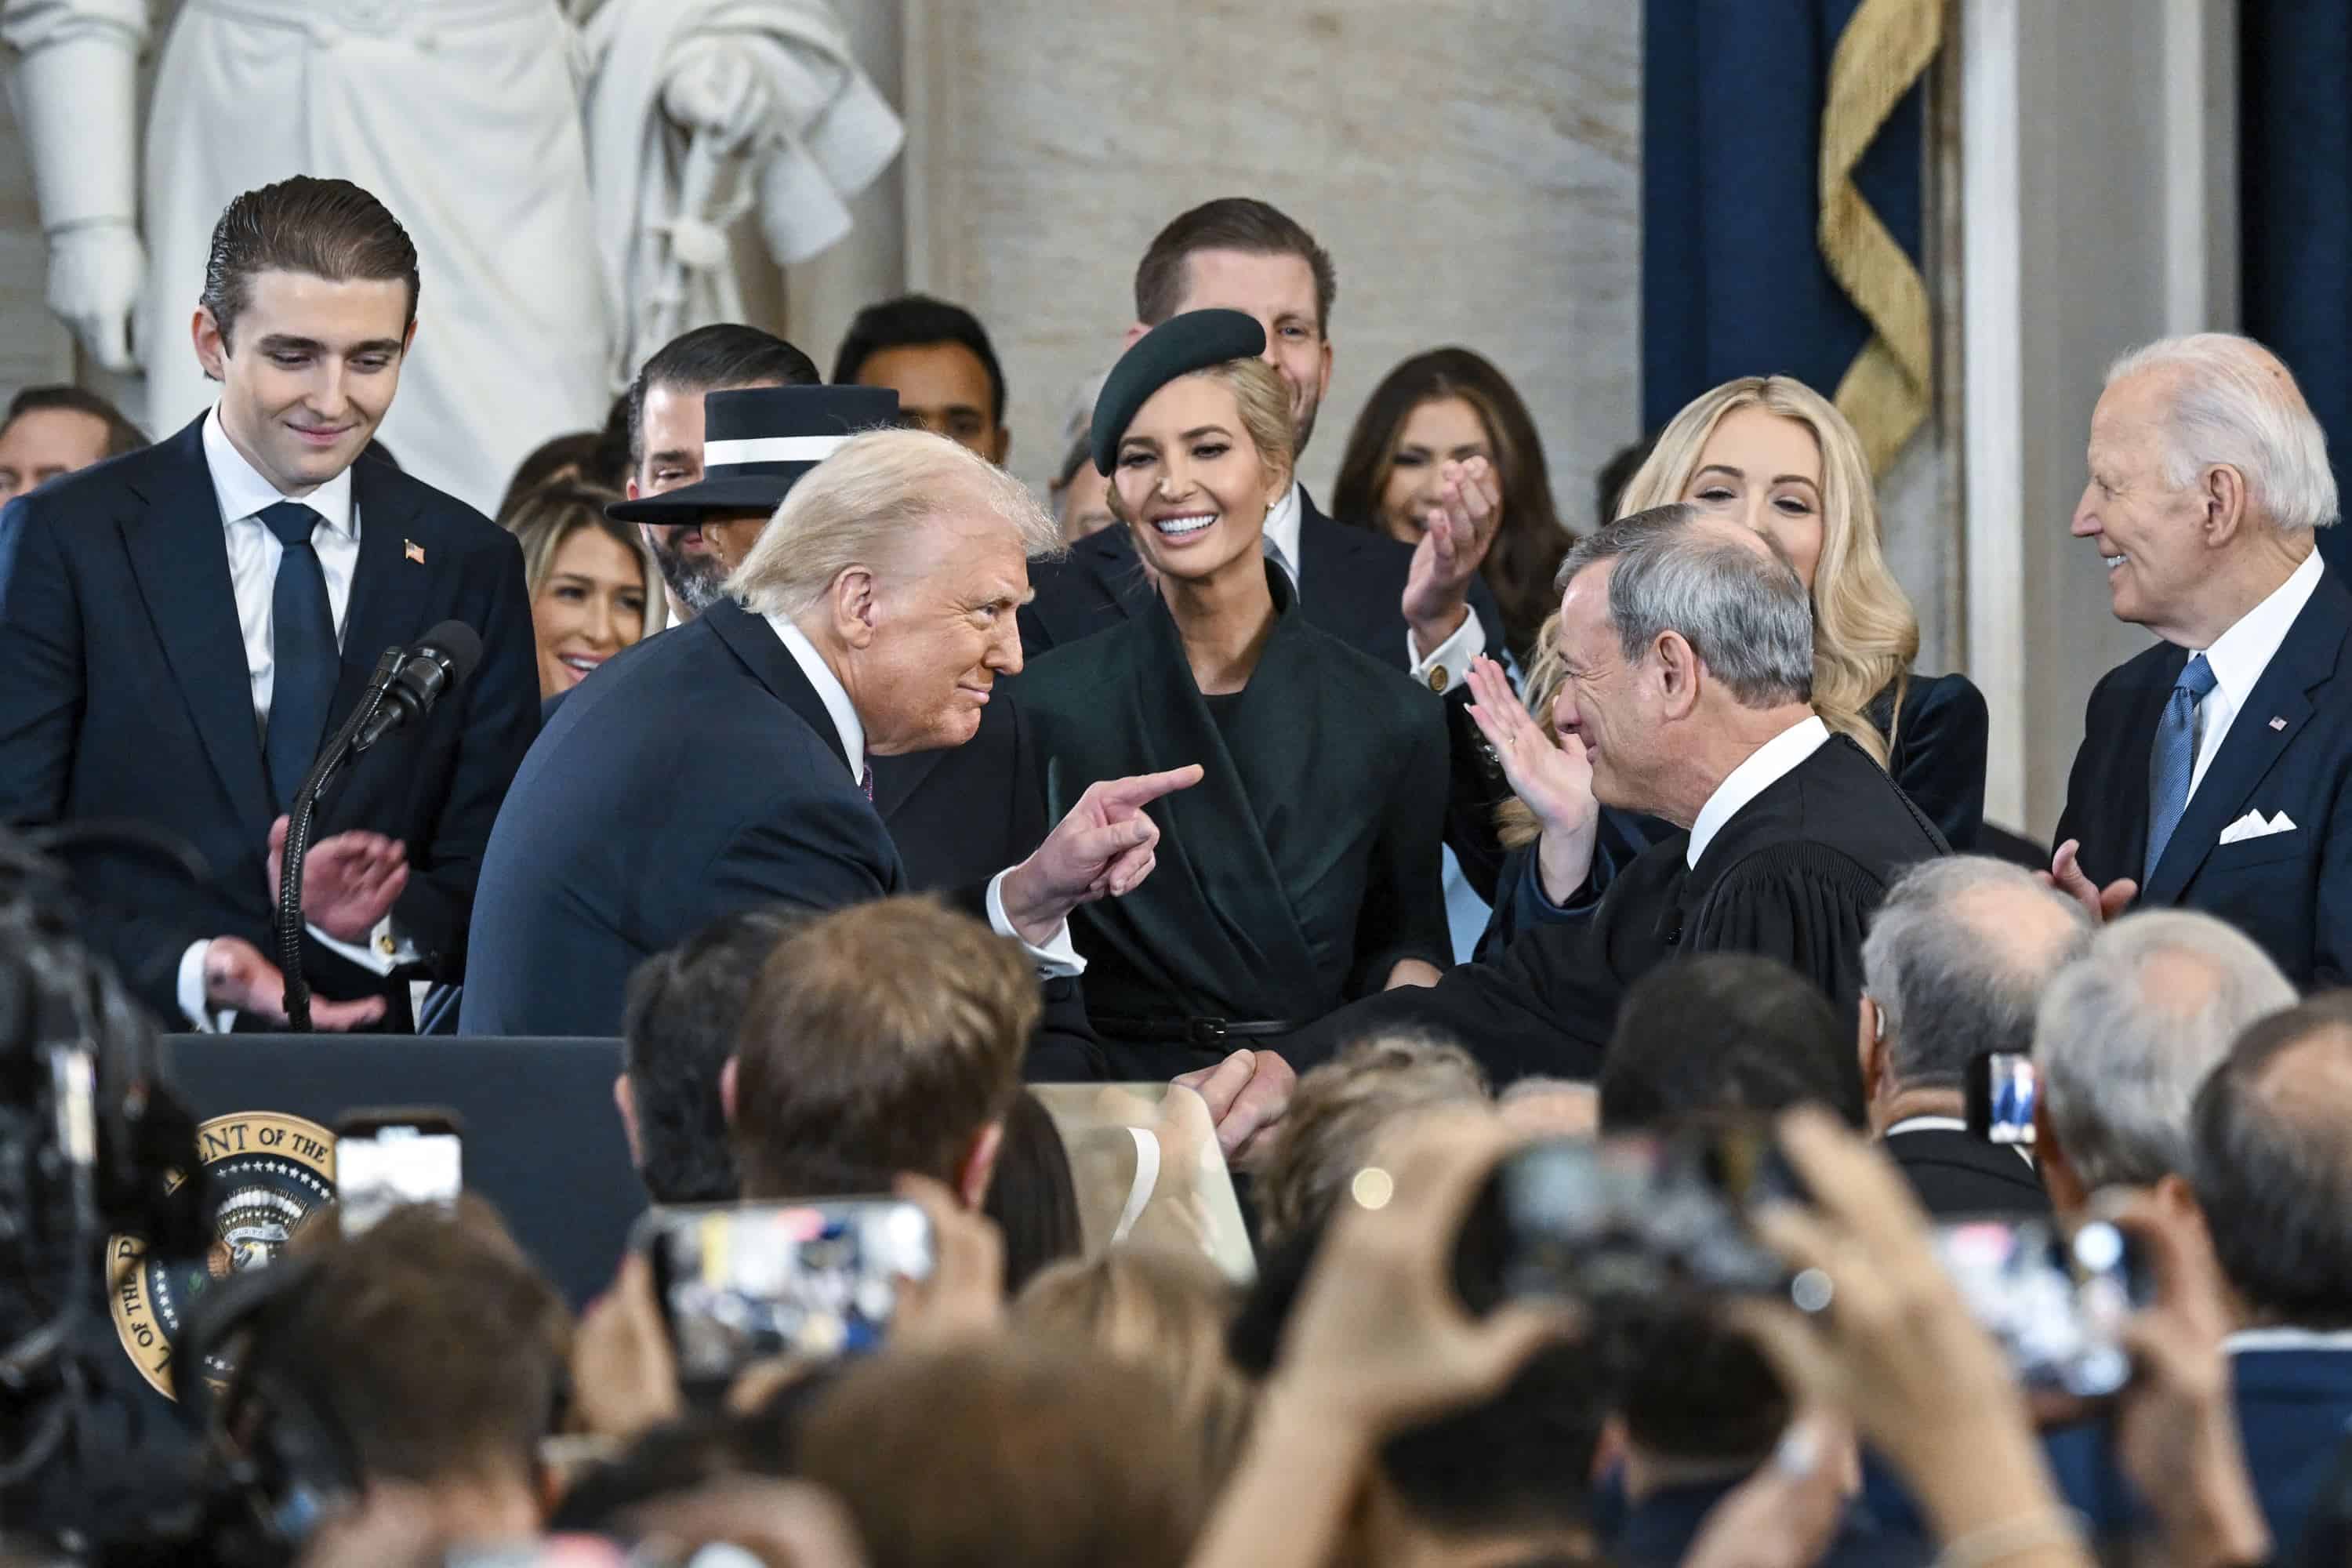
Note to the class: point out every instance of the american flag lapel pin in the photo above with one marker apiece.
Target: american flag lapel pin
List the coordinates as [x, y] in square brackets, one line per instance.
[2278, 723]
[414, 551]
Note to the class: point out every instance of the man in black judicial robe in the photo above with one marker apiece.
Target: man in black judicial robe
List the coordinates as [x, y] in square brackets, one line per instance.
[1689, 650]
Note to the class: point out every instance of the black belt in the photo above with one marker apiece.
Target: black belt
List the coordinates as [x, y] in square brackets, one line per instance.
[1203, 1031]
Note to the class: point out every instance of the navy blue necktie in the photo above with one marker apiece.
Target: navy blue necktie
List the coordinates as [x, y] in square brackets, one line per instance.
[302, 654]
[2172, 761]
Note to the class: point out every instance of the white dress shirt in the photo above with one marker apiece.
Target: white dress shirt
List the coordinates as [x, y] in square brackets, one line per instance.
[2238, 657]
[1452, 655]
[1948, 1124]
[254, 553]
[1054, 957]
[1767, 765]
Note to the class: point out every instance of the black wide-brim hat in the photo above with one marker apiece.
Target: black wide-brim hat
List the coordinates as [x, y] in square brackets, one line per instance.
[757, 441]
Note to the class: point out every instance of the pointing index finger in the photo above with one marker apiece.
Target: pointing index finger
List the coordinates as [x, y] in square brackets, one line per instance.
[1145, 788]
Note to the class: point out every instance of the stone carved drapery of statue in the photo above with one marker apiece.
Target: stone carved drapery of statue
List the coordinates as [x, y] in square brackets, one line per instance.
[566, 170]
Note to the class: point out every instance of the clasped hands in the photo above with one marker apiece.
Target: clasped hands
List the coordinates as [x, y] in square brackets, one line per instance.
[349, 882]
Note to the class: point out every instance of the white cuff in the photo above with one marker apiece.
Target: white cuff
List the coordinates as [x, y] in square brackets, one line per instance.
[1452, 655]
[1056, 959]
[192, 992]
[382, 954]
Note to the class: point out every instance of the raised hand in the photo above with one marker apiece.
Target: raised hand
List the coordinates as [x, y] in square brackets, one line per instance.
[350, 882]
[2066, 875]
[1551, 774]
[1103, 848]
[237, 977]
[1452, 545]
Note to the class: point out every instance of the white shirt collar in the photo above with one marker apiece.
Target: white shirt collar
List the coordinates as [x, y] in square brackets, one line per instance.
[2240, 654]
[1765, 766]
[829, 690]
[242, 492]
[1282, 529]
[2288, 1340]
[1928, 1124]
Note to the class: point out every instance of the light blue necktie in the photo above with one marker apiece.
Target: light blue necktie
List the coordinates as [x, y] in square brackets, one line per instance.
[2173, 759]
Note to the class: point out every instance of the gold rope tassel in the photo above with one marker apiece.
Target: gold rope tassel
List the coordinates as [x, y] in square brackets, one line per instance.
[1885, 47]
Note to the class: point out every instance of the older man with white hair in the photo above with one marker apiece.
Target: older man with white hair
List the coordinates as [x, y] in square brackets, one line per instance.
[2124, 1037]
[723, 766]
[1955, 966]
[2214, 767]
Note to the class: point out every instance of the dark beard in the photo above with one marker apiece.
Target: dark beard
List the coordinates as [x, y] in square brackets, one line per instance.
[694, 580]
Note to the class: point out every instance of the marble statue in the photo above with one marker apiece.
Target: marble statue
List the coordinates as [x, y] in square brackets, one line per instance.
[567, 168]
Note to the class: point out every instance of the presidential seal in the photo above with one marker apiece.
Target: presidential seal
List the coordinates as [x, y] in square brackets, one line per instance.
[271, 1173]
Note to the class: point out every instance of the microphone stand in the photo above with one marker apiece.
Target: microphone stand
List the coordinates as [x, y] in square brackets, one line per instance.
[325, 769]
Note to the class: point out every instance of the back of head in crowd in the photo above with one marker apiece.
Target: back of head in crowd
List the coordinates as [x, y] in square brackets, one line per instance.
[1955, 964]
[685, 1013]
[938, 358]
[425, 1350]
[880, 1039]
[2125, 1036]
[1159, 1309]
[1725, 1032]
[1007, 1452]
[1336, 1113]
[2274, 1170]
[50, 431]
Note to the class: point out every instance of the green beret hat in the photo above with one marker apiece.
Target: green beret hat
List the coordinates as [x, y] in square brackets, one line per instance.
[1177, 346]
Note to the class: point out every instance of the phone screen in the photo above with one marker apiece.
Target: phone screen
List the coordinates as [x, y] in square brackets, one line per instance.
[2056, 1302]
[2001, 1090]
[815, 1279]
[378, 1168]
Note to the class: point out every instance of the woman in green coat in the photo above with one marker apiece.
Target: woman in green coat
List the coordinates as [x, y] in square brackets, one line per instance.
[1303, 870]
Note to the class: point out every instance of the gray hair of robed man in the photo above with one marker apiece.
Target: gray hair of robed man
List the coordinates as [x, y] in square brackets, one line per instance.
[863, 506]
[2129, 1031]
[2235, 403]
[1954, 969]
[1744, 613]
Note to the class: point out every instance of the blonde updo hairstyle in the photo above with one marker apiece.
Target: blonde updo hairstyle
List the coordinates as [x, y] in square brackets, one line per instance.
[1865, 634]
[1263, 401]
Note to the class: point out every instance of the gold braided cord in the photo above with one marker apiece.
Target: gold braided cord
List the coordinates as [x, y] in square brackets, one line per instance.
[1885, 49]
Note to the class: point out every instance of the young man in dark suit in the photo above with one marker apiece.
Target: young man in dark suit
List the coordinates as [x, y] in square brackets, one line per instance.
[2216, 768]
[184, 626]
[1955, 965]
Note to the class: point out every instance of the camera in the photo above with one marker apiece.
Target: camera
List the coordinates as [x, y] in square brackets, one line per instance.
[2002, 1092]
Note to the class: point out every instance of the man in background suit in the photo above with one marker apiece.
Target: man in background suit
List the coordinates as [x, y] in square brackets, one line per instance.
[1955, 965]
[873, 614]
[2216, 768]
[2275, 1190]
[184, 626]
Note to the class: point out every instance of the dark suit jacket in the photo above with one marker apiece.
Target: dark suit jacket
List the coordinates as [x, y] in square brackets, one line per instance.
[2293, 1407]
[695, 775]
[1795, 875]
[1959, 1174]
[2289, 750]
[127, 695]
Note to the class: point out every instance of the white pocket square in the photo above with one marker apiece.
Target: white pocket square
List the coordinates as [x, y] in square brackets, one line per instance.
[2254, 825]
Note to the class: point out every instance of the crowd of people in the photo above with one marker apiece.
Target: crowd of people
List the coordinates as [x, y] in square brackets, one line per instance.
[868, 800]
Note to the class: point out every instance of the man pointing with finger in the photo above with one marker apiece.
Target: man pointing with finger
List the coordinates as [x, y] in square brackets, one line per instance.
[872, 618]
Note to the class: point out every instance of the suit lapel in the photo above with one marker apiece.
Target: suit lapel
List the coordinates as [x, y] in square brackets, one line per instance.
[771, 664]
[1109, 557]
[2274, 715]
[179, 554]
[387, 601]
[896, 779]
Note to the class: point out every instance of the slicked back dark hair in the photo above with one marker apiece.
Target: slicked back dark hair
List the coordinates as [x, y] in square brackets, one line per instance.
[918, 321]
[684, 1010]
[329, 228]
[720, 356]
[1229, 223]
[122, 436]
[2273, 1171]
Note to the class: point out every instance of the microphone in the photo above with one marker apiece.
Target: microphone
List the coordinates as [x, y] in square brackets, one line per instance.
[428, 672]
